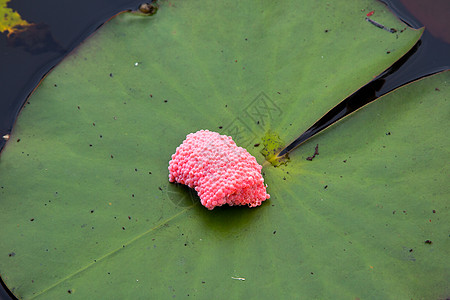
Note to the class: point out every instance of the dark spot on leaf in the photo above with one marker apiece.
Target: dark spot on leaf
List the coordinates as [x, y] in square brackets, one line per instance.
[256, 145]
[274, 231]
[123, 228]
[388, 52]
[129, 217]
[18, 140]
[220, 127]
[411, 250]
[110, 74]
[132, 195]
[78, 107]
[429, 242]
[312, 273]
[185, 244]
[92, 211]
[165, 101]
[326, 30]
[325, 187]
[437, 89]
[55, 85]
[93, 124]
[316, 152]
[101, 136]
[112, 156]
[69, 291]
[203, 282]
[388, 133]
[90, 145]
[160, 188]
[12, 254]
[393, 212]
[32, 219]
[434, 211]
[135, 169]
[150, 173]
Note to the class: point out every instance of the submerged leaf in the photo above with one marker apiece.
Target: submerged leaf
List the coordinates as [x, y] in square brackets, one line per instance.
[10, 20]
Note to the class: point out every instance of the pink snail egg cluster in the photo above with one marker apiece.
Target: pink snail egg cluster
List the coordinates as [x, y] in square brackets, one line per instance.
[219, 170]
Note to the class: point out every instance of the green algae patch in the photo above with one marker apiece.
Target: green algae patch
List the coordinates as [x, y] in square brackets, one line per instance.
[272, 145]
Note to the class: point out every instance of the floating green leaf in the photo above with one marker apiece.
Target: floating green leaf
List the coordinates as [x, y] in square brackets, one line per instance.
[87, 210]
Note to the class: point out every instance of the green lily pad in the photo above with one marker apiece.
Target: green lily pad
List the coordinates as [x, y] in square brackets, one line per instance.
[87, 210]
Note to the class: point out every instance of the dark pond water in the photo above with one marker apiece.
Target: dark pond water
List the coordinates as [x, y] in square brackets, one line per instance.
[61, 27]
